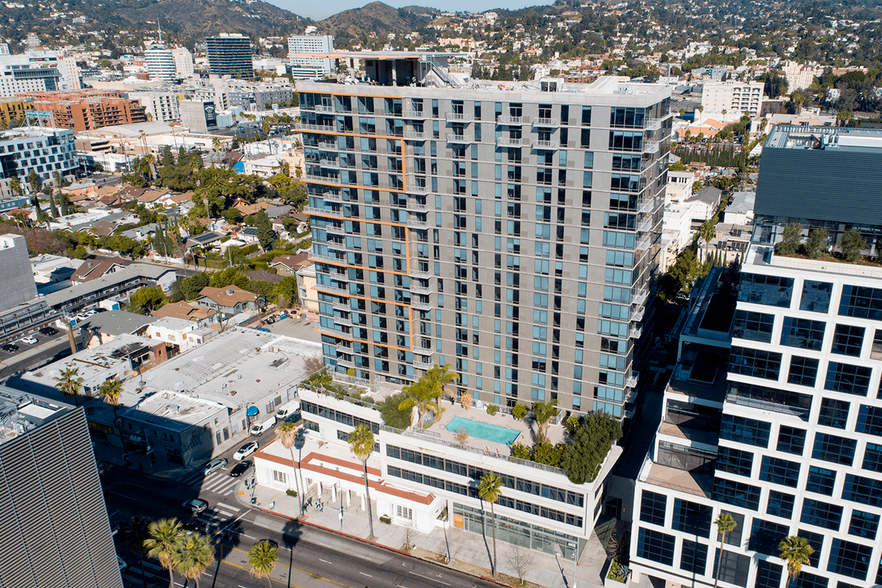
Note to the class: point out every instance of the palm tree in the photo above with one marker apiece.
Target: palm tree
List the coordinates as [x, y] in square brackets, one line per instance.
[419, 394]
[725, 524]
[361, 443]
[193, 555]
[797, 552]
[488, 490]
[69, 383]
[543, 412]
[262, 560]
[164, 539]
[440, 376]
[286, 433]
[133, 533]
[110, 390]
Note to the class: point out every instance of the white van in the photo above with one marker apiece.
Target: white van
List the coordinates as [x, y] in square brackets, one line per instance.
[262, 427]
[287, 409]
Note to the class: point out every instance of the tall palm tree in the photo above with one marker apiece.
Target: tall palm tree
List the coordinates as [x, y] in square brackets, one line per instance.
[133, 533]
[193, 555]
[543, 412]
[110, 390]
[286, 433]
[489, 490]
[69, 383]
[797, 552]
[725, 524]
[164, 538]
[361, 443]
[262, 560]
[419, 394]
[440, 377]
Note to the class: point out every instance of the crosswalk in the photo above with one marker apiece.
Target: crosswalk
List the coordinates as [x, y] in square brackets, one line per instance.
[219, 482]
[153, 572]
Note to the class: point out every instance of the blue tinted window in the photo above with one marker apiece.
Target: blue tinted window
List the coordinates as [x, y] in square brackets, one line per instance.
[768, 290]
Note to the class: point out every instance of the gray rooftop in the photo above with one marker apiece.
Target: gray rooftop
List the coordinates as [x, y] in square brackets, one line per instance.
[116, 322]
[21, 412]
[708, 195]
[742, 203]
[824, 138]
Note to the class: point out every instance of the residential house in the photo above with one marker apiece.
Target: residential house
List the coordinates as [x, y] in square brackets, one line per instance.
[679, 186]
[231, 300]
[104, 327]
[141, 233]
[306, 287]
[152, 198]
[200, 315]
[740, 210]
[203, 240]
[96, 267]
[179, 335]
[705, 203]
[289, 264]
[279, 211]
[248, 209]
[247, 235]
[264, 276]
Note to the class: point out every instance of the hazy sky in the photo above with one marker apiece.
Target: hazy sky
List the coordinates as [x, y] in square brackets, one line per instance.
[324, 9]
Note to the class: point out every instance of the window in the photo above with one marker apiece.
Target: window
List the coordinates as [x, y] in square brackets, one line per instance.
[768, 575]
[850, 379]
[755, 362]
[402, 512]
[779, 471]
[834, 413]
[733, 568]
[873, 457]
[693, 557]
[821, 514]
[802, 333]
[744, 430]
[780, 504]
[653, 507]
[692, 518]
[736, 493]
[734, 461]
[753, 326]
[870, 420]
[279, 477]
[766, 398]
[809, 580]
[815, 296]
[834, 449]
[791, 440]
[767, 290]
[862, 490]
[850, 559]
[816, 540]
[803, 371]
[861, 302]
[876, 348]
[765, 536]
[655, 546]
[847, 340]
[820, 480]
[863, 524]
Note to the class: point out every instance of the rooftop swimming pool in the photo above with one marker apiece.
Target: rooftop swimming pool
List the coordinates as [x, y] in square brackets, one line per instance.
[484, 431]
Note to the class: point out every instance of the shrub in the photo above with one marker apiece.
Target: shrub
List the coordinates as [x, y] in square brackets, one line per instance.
[386, 519]
[589, 446]
[492, 409]
[790, 240]
[521, 451]
[291, 493]
[816, 244]
[853, 245]
[617, 572]
[519, 411]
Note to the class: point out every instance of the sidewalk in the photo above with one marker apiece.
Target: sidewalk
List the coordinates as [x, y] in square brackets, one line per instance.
[469, 552]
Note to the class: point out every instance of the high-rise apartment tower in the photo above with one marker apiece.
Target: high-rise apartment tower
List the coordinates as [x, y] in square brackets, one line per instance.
[230, 55]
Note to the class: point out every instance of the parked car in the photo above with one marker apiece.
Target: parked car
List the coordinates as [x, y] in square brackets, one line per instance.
[273, 544]
[9, 347]
[215, 465]
[29, 339]
[240, 468]
[49, 331]
[269, 320]
[246, 450]
[196, 506]
[282, 316]
[264, 329]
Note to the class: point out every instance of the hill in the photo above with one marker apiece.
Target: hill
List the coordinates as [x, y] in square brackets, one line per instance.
[374, 19]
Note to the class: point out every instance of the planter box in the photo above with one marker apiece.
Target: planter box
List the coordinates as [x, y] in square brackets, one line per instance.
[613, 582]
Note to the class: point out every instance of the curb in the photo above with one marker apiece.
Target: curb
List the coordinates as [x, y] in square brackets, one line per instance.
[387, 548]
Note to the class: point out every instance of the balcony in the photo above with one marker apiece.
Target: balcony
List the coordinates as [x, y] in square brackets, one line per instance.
[332, 197]
[637, 315]
[453, 138]
[652, 124]
[414, 188]
[646, 205]
[322, 211]
[635, 332]
[650, 147]
[645, 225]
[507, 142]
[423, 365]
[316, 128]
[326, 258]
[344, 347]
[643, 243]
[331, 289]
[640, 297]
[417, 224]
[545, 122]
[315, 178]
[324, 108]
[341, 306]
[509, 120]
[416, 207]
[424, 290]
[550, 145]
[415, 135]
[342, 321]
[330, 331]
[631, 382]
[344, 362]
[414, 114]
[459, 117]
[425, 306]
[419, 274]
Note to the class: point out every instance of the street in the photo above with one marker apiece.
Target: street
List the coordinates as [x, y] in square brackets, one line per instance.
[309, 557]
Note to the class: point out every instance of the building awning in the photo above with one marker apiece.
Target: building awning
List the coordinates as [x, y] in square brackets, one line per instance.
[252, 411]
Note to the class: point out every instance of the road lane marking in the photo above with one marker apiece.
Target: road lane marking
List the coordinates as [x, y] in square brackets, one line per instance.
[363, 574]
[313, 574]
[428, 578]
[326, 561]
[227, 506]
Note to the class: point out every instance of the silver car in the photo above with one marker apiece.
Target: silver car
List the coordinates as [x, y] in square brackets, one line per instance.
[215, 465]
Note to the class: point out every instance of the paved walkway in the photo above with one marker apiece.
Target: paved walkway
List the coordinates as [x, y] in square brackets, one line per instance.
[467, 551]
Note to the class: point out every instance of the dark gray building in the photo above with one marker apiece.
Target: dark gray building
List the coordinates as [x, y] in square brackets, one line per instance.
[54, 529]
[230, 55]
[18, 275]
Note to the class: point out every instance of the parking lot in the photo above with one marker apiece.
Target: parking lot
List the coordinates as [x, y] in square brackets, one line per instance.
[296, 328]
[35, 339]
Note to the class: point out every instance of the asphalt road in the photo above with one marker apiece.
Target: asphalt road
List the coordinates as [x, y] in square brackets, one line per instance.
[309, 557]
[47, 348]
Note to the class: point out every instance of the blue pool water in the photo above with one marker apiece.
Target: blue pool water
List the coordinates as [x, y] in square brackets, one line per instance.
[483, 430]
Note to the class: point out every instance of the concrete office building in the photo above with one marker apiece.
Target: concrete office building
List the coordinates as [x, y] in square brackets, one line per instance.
[732, 98]
[230, 55]
[19, 285]
[44, 150]
[512, 233]
[160, 62]
[199, 116]
[183, 62]
[55, 529]
[304, 67]
[789, 441]
[160, 106]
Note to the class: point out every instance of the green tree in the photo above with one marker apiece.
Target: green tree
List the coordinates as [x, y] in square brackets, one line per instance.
[796, 552]
[420, 395]
[265, 233]
[521, 451]
[489, 490]
[790, 239]
[286, 291]
[163, 539]
[519, 411]
[589, 446]
[287, 433]
[361, 443]
[193, 556]
[725, 524]
[110, 390]
[392, 414]
[132, 533]
[439, 377]
[262, 560]
[853, 245]
[816, 244]
[543, 412]
[69, 383]
[147, 299]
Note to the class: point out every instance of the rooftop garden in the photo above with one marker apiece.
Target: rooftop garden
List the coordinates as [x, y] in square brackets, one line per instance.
[797, 241]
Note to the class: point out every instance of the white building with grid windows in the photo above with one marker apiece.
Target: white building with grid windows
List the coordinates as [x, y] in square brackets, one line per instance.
[304, 66]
